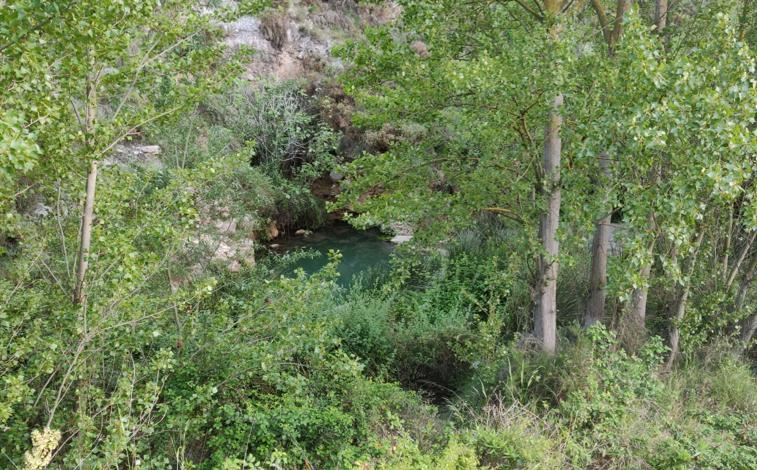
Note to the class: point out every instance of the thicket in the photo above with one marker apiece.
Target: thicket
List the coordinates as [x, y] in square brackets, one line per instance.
[171, 360]
[275, 127]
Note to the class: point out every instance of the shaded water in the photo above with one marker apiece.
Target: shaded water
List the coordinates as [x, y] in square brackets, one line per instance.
[362, 250]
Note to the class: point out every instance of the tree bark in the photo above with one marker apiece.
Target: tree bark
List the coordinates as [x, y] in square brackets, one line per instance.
[679, 310]
[545, 318]
[86, 233]
[661, 14]
[728, 238]
[638, 309]
[739, 260]
[595, 307]
[747, 332]
[749, 325]
[746, 282]
[744, 18]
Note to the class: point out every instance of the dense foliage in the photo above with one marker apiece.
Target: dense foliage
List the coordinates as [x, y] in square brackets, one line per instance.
[180, 343]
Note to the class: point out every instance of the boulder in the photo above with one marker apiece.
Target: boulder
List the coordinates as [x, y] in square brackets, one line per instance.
[272, 231]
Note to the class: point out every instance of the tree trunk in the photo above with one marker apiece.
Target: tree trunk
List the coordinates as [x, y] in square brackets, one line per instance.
[545, 318]
[680, 306]
[746, 282]
[595, 307]
[747, 332]
[638, 309]
[728, 238]
[744, 18]
[86, 233]
[749, 326]
[661, 14]
[739, 260]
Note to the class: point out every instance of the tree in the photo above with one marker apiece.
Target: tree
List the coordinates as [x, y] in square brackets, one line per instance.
[102, 91]
[600, 248]
[475, 168]
[595, 307]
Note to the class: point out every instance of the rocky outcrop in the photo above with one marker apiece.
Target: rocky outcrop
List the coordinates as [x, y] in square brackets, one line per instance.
[296, 40]
[293, 40]
[133, 154]
[403, 232]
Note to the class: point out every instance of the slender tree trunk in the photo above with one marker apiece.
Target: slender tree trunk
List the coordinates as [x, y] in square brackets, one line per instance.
[747, 332]
[746, 7]
[679, 310]
[739, 260]
[746, 282]
[595, 307]
[661, 14]
[638, 310]
[545, 318]
[86, 233]
[88, 125]
[728, 238]
[749, 325]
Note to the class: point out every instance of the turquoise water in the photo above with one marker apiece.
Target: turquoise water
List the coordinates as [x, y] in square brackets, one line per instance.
[362, 250]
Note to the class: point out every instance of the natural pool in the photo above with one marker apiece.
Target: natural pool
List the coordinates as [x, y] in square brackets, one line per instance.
[362, 250]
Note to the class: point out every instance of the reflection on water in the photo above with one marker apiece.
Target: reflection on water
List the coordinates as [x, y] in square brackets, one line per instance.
[362, 250]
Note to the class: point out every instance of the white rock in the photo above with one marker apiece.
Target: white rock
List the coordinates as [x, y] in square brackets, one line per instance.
[400, 239]
[234, 266]
[148, 149]
[228, 227]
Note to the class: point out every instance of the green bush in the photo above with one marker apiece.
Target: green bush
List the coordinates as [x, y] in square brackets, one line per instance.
[283, 124]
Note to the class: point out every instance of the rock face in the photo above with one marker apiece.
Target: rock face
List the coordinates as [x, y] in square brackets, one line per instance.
[133, 154]
[294, 42]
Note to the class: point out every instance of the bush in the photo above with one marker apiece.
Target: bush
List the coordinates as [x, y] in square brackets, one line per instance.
[276, 129]
[282, 123]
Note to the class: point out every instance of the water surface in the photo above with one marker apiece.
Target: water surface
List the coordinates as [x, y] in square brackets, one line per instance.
[362, 250]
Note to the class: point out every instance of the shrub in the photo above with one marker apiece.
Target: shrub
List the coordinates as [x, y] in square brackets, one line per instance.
[282, 123]
[273, 25]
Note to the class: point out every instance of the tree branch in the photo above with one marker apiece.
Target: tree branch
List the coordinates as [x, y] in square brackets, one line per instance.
[603, 22]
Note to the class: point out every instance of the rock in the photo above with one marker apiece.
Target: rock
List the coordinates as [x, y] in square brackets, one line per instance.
[226, 227]
[400, 239]
[40, 210]
[247, 225]
[403, 232]
[420, 48]
[149, 149]
[272, 231]
[303, 233]
[234, 266]
[224, 252]
[274, 245]
[131, 154]
[335, 177]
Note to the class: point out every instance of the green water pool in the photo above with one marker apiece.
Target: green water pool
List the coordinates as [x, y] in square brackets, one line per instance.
[363, 251]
